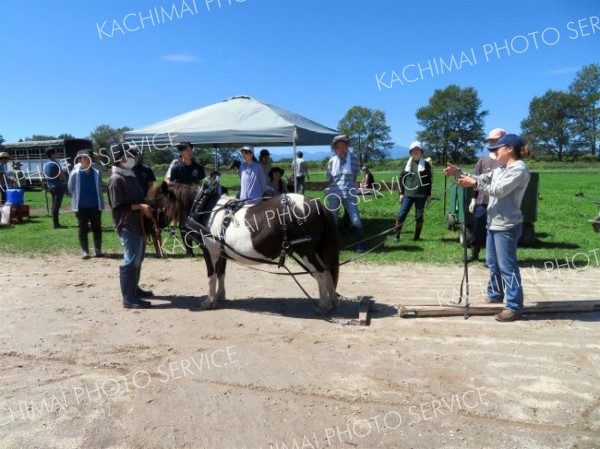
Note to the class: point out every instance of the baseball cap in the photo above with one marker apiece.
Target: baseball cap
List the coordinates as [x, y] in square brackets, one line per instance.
[511, 140]
[496, 133]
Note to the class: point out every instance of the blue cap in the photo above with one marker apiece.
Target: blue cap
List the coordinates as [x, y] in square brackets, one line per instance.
[511, 140]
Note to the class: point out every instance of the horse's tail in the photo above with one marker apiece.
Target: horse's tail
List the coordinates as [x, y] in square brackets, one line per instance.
[330, 245]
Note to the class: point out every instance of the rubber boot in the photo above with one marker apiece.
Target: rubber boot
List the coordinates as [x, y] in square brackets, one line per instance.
[418, 229]
[397, 232]
[139, 291]
[474, 254]
[359, 236]
[85, 248]
[98, 248]
[56, 223]
[127, 277]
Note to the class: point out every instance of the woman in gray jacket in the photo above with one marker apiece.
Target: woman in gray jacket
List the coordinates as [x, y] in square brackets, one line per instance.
[85, 184]
[505, 186]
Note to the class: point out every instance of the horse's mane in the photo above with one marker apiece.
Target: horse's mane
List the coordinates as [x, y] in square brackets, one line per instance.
[182, 198]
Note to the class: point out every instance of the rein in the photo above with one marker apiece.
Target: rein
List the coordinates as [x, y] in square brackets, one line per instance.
[153, 238]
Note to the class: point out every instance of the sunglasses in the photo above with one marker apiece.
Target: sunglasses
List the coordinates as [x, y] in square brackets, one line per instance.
[246, 152]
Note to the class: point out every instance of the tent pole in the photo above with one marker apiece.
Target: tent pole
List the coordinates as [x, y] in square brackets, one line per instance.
[216, 157]
[294, 165]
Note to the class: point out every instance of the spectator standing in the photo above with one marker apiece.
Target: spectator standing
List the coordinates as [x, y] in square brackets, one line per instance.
[415, 189]
[85, 185]
[4, 158]
[55, 179]
[253, 181]
[299, 172]
[187, 171]
[264, 158]
[342, 171]
[480, 199]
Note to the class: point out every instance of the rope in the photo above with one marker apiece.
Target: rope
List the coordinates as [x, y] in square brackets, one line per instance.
[407, 221]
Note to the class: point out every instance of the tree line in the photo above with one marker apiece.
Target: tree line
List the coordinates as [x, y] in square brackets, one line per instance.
[561, 125]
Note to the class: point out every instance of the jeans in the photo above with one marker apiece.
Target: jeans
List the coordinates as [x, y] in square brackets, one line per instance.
[350, 202]
[300, 185]
[505, 277]
[133, 248]
[478, 236]
[407, 203]
[57, 196]
[84, 217]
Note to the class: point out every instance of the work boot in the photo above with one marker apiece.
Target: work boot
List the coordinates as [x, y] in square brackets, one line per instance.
[418, 229]
[397, 232]
[508, 315]
[127, 277]
[141, 293]
[359, 236]
[474, 254]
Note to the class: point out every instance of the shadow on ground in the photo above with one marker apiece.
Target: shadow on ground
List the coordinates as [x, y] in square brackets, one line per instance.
[302, 308]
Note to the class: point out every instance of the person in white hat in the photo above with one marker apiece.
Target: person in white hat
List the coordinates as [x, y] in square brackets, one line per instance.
[480, 199]
[415, 188]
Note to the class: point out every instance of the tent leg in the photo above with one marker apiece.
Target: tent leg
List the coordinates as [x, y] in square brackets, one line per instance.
[294, 162]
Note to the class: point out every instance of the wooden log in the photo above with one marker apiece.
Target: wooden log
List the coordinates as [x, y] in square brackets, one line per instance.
[492, 309]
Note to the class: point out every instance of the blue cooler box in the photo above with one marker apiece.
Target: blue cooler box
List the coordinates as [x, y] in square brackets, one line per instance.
[15, 196]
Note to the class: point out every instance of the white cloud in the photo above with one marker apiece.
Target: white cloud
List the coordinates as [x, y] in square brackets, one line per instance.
[180, 58]
[562, 70]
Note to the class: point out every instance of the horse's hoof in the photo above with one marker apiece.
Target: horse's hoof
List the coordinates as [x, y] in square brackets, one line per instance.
[206, 305]
[321, 310]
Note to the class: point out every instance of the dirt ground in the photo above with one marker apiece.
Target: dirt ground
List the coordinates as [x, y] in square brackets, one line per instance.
[264, 371]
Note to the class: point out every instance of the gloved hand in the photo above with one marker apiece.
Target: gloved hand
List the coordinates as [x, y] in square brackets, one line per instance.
[472, 205]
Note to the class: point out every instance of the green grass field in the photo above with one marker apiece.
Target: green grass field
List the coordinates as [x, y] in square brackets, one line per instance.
[562, 228]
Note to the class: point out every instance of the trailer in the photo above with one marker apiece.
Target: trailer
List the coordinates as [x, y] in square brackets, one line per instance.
[28, 159]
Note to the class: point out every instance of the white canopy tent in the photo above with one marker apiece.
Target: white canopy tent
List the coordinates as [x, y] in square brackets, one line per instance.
[240, 120]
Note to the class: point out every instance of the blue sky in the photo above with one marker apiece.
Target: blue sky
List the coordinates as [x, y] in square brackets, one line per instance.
[60, 73]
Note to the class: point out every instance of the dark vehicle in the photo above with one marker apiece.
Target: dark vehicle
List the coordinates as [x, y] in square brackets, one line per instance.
[28, 158]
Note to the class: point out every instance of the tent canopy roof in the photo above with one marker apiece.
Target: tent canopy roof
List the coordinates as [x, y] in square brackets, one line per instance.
[236, 121]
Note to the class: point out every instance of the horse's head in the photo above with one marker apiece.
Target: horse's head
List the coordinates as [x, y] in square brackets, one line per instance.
[172, 203]
[159, 198]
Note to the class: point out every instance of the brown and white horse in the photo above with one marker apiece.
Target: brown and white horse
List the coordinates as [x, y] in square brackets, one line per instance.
[254, 233]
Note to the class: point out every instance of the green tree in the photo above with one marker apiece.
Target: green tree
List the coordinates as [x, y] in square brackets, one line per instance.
[549, 126]
[453, 124]
[37, 137]
[103, 136]
[586, 126]
[228, 154]
[368, 132]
